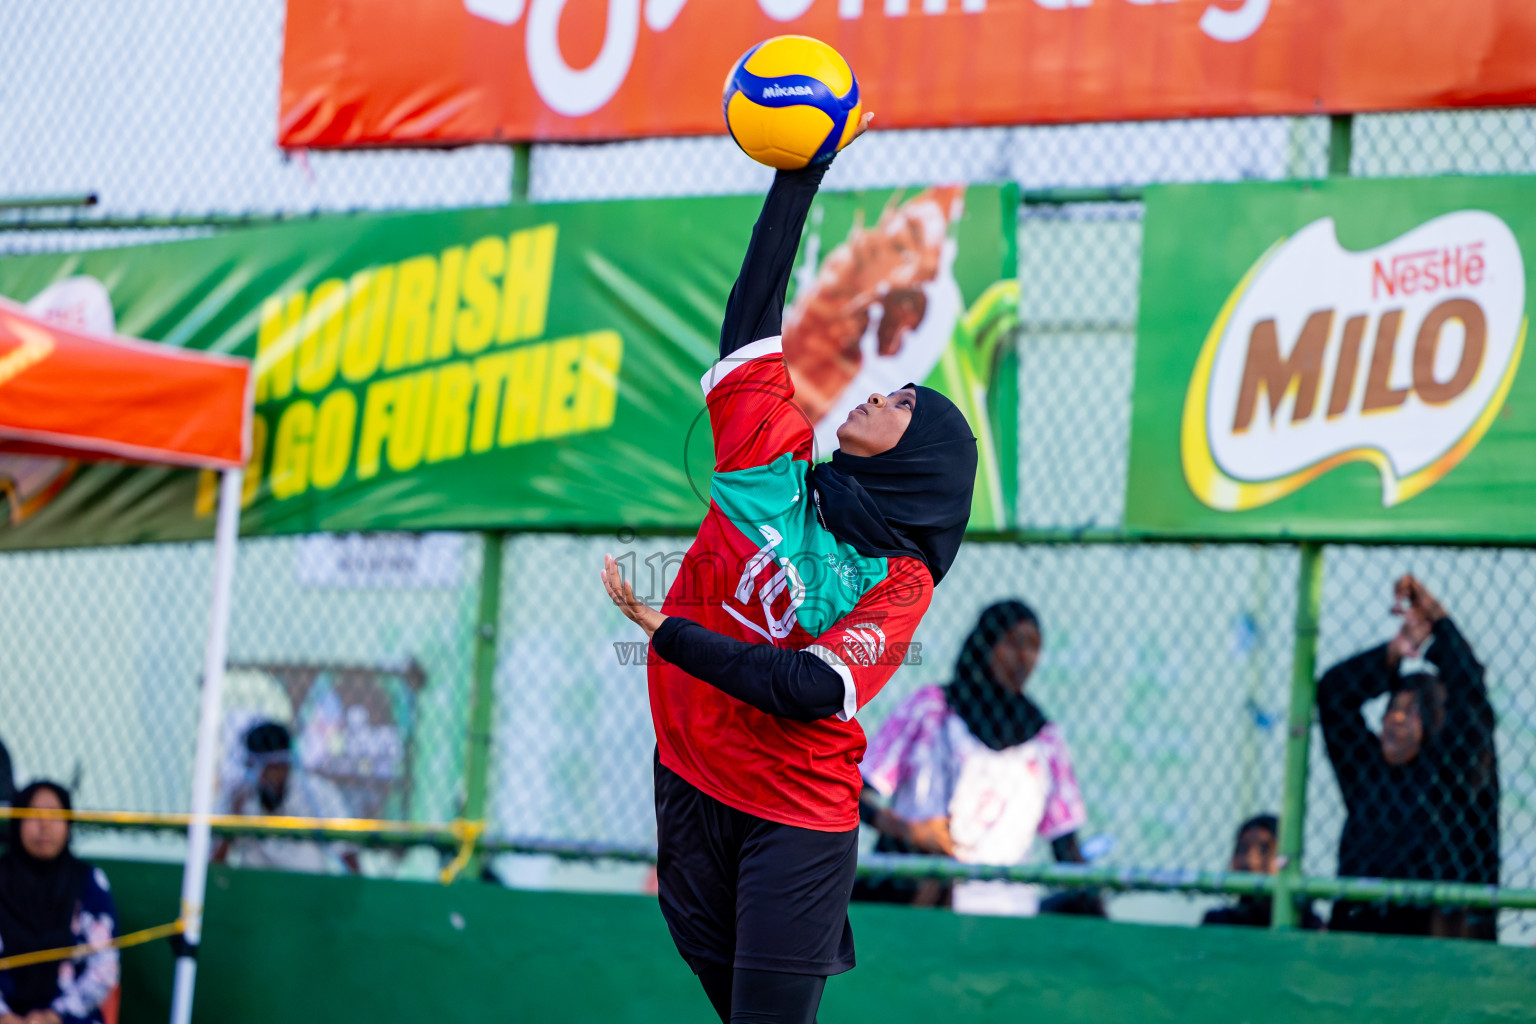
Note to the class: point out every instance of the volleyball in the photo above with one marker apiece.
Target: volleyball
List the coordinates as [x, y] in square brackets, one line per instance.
[791, 101]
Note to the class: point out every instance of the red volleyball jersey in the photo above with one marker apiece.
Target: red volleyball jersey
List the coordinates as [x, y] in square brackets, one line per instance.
[763, 569]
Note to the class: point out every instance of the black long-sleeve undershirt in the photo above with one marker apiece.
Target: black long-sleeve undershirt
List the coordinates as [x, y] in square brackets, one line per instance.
[775, 680]
[789, 684]
[755, 309]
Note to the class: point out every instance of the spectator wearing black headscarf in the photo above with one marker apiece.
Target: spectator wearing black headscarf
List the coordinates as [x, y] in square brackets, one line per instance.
[944, 748]
[50, 899]
[1423, 795]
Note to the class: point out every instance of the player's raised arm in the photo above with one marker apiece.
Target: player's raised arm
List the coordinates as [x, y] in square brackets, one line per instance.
[755, 309]
[749, 392]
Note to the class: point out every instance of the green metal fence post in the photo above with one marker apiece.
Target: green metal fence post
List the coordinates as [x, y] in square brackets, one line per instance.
[1309, 593]
[522, 159]
[477, 759]
[1340, 144]
[1293, 802]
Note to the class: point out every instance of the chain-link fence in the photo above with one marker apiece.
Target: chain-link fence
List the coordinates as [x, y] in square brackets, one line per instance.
[360, 648]
[1167, 669]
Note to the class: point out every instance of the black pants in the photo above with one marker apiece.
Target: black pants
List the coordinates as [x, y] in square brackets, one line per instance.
[742, 996]
[747, 895]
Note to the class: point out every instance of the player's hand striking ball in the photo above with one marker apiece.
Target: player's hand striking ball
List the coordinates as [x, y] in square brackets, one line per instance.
[794, 605]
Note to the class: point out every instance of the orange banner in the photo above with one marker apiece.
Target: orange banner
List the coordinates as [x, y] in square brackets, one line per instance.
[440, 72]
[69, 394]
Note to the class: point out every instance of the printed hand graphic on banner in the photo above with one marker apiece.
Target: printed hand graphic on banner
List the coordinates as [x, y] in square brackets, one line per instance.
[878, 312]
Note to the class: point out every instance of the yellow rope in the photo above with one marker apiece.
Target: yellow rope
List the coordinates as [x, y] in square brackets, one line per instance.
[267, 822]
[466, 832]
[43, 956]
[469, 834]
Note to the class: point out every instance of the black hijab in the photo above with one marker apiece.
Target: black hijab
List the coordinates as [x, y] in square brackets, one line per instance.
[37, 906]
[996, 717]
[913, 500]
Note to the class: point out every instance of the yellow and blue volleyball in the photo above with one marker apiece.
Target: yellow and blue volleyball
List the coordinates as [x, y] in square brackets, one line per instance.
[791, 101]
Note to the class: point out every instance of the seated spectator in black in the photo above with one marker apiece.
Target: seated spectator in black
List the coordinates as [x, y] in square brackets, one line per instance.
[273, 785]
[1423, 796]
[945, 756]
[1254, 853]
[49, 899]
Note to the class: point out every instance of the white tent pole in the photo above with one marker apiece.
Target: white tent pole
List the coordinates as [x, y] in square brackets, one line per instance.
[194, 879]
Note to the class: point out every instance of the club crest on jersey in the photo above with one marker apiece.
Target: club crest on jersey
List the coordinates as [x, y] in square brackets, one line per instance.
[847, 573]
[864, 643]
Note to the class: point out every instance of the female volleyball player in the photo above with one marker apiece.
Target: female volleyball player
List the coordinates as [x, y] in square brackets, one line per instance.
[794, 605]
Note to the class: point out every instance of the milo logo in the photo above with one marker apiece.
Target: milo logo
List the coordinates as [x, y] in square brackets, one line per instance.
[1399, 357]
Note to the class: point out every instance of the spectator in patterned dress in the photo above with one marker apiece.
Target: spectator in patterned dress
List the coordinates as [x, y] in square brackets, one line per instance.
[974, 770]
[50, 899]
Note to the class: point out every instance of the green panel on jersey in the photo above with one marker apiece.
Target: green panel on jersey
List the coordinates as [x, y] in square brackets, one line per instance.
[772, 505]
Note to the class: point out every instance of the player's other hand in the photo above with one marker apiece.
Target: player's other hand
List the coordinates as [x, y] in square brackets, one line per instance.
[623, 595]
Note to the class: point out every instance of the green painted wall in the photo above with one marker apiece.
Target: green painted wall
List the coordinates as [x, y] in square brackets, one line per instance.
[285, 947]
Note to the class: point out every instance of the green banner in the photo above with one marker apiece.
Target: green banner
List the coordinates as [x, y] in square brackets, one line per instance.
[1336, 360]
[523, 367]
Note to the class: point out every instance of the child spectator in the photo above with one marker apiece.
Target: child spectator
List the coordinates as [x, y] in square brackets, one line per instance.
[1253, 852]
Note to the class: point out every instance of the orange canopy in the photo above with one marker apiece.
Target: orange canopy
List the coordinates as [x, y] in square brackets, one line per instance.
[84, 397]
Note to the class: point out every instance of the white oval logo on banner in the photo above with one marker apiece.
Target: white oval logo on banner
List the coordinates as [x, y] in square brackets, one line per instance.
[1399, 356]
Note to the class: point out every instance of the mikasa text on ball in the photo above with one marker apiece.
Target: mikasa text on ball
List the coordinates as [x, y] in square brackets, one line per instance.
[791, 101]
